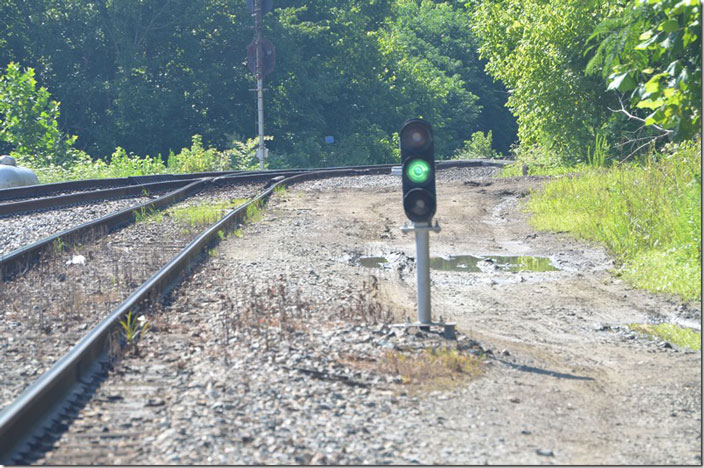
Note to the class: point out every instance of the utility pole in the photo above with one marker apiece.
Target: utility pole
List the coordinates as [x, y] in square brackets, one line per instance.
[261, 148]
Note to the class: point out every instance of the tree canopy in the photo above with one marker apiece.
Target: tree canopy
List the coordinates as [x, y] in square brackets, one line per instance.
[147, 76]
[569, 78]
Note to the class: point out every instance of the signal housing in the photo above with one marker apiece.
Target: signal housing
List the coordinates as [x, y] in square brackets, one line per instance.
[418, 176]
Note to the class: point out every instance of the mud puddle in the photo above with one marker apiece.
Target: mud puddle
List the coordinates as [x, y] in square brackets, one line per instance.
[474, 264]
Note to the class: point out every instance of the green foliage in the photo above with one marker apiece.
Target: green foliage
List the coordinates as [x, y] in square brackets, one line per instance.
[479, 146]
[651, 53]
[203, 214]
[29, 121]
[122, 164]
[146, 76]
[134, 327]
[432, 66]
[649, 216]
[148, 215]
[243, 155]
[535, 48]
[198, 159]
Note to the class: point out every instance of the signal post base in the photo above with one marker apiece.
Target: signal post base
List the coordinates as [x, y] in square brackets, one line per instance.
[448, 329]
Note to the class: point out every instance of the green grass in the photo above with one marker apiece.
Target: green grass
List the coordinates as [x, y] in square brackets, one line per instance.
[148, 215]
[254, 212]
[648, 215]
[202, 214]
[682, 337]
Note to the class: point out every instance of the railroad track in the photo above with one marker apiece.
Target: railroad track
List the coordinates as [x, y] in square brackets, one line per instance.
[47, 406]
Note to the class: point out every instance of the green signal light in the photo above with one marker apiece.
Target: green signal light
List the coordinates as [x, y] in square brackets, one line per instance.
[418, 171]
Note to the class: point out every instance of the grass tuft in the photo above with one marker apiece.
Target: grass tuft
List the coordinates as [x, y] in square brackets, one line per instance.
[431, 366]
[204, 213]
[682, 337]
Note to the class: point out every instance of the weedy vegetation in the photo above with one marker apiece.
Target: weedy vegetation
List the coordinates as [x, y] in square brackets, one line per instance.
[134, 327]
[679, 336]
[438, 366]
[204, 213]
[59, 245]
[647, 214]
[150, 214]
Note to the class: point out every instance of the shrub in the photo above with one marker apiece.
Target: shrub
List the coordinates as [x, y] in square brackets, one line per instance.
[198, 159]
[29, 121]
[479, 146]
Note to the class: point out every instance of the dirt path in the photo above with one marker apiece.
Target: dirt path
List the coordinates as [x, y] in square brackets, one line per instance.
[567, 384]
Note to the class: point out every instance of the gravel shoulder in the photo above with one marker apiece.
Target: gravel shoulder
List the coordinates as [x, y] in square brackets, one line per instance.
[224, 380]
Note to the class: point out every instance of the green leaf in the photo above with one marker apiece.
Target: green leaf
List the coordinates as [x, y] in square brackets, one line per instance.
[649, 42]
[646, 35]
[650, 103]
[623, 82]
[669, 26]
[655, 118]
[653, 84]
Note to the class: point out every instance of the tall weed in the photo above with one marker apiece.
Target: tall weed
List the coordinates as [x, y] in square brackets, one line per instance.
[648, 215]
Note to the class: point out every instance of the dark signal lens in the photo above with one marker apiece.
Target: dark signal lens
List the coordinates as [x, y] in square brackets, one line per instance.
[416, 136]
[419, 205]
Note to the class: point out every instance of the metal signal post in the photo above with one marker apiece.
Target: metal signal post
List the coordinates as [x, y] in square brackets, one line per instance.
[419, 203]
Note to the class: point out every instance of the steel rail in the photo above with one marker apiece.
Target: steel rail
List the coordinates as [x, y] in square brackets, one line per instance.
[73, 185]
[39, 407]
[46, 189]
[23, 258]
[58, 201]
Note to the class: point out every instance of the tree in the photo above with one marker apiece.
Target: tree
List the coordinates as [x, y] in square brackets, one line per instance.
[29, 120]
[536, 48]
[650, 55]
[433, 65]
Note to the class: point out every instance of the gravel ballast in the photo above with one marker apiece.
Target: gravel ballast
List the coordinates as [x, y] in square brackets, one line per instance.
[23, 229]
[46, 310]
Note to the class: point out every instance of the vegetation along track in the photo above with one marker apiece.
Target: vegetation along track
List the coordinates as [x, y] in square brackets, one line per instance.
[50, 306]
[79, 292]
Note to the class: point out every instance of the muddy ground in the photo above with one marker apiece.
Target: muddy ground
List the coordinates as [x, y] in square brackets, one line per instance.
[567, 383]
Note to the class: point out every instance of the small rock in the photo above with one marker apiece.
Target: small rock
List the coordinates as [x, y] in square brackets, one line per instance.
[77, 260]
[545, 452]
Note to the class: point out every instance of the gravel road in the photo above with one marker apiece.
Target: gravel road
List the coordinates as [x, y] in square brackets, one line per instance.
[300, 373]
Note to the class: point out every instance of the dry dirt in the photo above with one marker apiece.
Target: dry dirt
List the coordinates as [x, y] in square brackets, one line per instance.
[567, 383]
